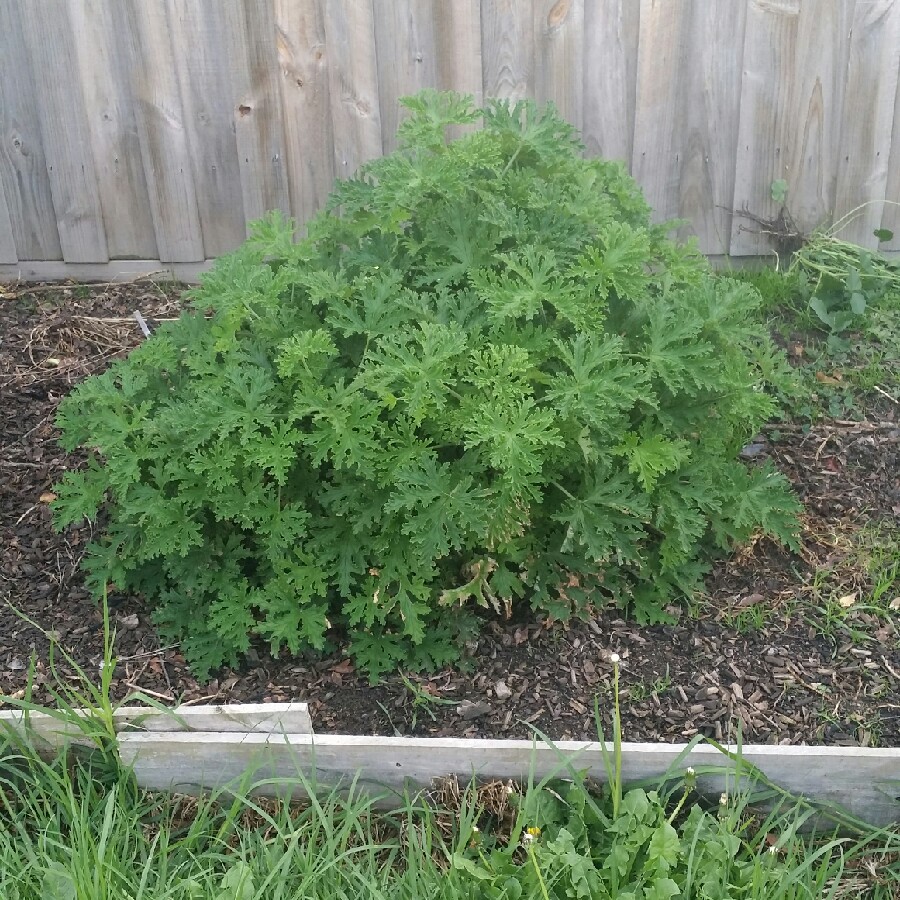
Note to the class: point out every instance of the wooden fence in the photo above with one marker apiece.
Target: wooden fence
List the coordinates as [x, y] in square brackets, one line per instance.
[141, 132]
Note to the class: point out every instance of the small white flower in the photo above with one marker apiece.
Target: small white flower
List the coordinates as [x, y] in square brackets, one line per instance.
[773, 850]
[476, 829]
[723, 800]
[689, 771]
[614, 658]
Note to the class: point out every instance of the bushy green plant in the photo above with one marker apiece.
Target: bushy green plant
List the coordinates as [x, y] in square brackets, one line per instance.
[484, 377]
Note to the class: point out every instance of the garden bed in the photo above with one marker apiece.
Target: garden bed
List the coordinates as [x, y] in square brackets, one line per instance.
[791, 647]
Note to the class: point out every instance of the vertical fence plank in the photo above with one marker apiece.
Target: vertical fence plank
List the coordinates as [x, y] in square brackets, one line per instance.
[199, 41]
[686, 125]
[352, 83]
[559, 57]
[865, 144]
[109, 109]
[165, 152]
[891, 216]
[23, 170]
[507, 48]
[303, 68]
[7, 240]
[64, 132]
[405, 50]
[458, 47]
[611, 32]
[794, 58]
[256, 110]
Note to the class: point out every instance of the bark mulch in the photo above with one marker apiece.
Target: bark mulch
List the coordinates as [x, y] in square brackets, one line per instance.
[789, 648]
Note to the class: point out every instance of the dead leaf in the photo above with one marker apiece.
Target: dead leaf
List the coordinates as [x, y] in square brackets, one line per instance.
[468, 710]
[848, 600]
[47, 497]
[344, 667]
[895, 603]
[750, 600]
[822, 378]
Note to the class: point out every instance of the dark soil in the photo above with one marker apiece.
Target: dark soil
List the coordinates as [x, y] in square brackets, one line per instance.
[785, 647]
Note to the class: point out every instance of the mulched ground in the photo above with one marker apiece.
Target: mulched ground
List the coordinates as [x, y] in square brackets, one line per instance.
[758, 651]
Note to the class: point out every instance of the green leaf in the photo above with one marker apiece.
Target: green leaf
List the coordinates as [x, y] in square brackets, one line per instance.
[651, 457]
[779, 191]
[57, 883]
[883, 234]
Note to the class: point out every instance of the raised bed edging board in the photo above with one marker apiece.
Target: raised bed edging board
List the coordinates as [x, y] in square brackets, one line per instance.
[239, 718]
[864, 781]
[194, 749]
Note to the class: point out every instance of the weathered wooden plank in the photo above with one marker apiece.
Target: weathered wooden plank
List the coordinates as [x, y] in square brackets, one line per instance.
[165, 150]
[507, 49]
[457, 42]
[23, 170]
[305, 106]
[256, 108]
[559, 57]
[237, 718]
[407, 58]
[686, 120]
[7, 239]
[862, 780]
[200, 43]
[891, 217]
[64, 133]
[865, 139]
[611, 30]
[795, 55]
[109, 116]
[352, 83]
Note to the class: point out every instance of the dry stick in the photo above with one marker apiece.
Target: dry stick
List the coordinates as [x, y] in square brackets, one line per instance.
[886, 394]
[156, 694]
[148, 653]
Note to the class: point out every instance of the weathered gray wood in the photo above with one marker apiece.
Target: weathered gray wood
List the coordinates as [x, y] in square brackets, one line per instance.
[352, 83]
[405, 40]
[686, 127]
[559, 57]
[200, 43]
[457, 42]
[115, 270]
[795, 57]
[7, 240]
[23, 169]
[237, 718]
[306, 113]
[256, 107]
[110, 120]
[507, 49]
[865, 139]
[64, 132]
[162, 130]
[891, 215]
[611, 32]
[859, 779]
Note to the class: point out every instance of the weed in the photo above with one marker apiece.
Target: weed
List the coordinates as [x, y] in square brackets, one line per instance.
[642, 690]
